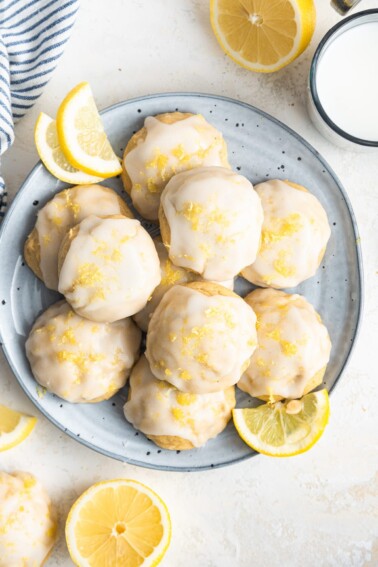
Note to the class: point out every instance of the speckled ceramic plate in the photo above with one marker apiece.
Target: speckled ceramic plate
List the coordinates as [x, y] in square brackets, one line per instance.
[260, 148]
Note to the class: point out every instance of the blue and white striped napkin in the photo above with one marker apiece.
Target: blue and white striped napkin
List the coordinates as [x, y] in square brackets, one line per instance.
[33, 34]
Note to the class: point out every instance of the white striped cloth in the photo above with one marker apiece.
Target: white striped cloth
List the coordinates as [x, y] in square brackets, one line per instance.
[33, 34]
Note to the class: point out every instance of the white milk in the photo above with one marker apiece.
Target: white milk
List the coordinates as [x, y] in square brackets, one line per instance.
[347, 81]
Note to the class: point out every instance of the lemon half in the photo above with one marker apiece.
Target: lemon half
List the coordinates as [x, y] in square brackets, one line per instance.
[263, 35]
[118, 522]
[284, 429]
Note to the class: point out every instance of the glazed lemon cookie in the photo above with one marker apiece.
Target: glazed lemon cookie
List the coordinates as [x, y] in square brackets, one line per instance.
[172, 419]
[28, 522]
[210, 221]
[294, 236]
[108, 268]
[65, 210]
[78, 360]
[170, 275]
[167, 144]
[201, 337]
[293, 346]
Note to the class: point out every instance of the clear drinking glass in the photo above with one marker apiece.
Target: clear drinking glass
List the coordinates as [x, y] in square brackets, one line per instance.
[343, 6]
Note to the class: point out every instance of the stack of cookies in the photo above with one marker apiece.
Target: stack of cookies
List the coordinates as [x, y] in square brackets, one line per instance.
[202, 338]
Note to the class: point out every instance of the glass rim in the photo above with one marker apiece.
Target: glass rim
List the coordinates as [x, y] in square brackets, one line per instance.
[313, 72]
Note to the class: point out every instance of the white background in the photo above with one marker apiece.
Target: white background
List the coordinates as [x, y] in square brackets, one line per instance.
[318, 509]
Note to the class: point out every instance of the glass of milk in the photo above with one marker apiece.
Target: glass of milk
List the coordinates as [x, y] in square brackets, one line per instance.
[343, 84]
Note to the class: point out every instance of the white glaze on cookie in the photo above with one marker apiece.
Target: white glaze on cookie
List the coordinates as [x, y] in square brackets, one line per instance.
[27, 521]
[167, 150]
[215, 218]
[294, 236]
[79, 360]
[200, 343]
[158, 408]
[293, 345]
[66, 209]
[110, 270]
[170, 275]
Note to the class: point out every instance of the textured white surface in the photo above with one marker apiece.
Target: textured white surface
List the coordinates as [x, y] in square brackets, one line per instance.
[318, 509]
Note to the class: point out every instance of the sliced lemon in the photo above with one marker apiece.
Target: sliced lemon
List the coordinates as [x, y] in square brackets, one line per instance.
[52, 156]
[284, 429]
[118, 522]
[14, 427]
[82, 135]
[263, 35]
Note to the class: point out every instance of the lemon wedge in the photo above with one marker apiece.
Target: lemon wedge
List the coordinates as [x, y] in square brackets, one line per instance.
[263, 35]
[52, 156]
[284, 429]
[14, 427]
[82, 135]
[118, 522]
